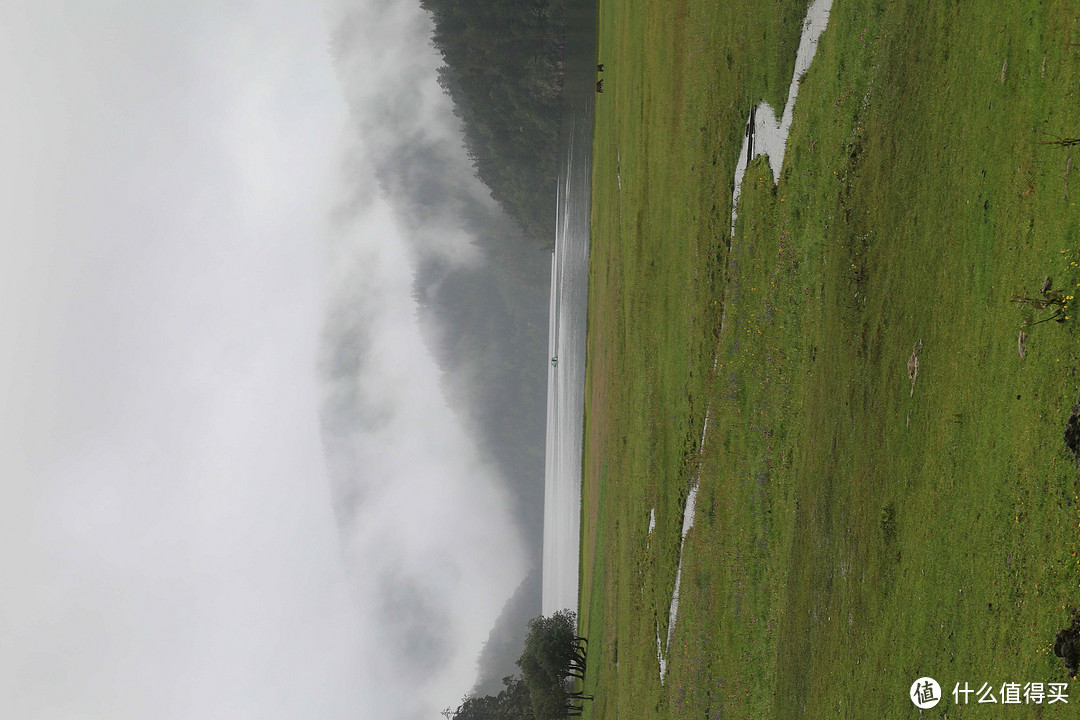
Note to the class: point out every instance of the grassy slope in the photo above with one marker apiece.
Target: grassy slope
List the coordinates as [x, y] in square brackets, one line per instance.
[850, 536]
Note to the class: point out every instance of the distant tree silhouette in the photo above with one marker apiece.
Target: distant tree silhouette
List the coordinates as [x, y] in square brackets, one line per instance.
[504, 72]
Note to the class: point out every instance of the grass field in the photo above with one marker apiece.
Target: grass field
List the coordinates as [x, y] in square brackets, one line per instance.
[854, 531]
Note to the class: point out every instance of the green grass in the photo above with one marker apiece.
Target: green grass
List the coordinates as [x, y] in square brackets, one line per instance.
[850, 535]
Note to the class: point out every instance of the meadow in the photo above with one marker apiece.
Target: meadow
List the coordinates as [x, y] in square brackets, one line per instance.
[855, 529]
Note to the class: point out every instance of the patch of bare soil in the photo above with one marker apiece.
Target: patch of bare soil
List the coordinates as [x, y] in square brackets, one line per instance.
[913, 364]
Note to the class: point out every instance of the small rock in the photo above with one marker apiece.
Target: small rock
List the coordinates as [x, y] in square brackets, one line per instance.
[1072, 435]
[1072, 431]
[1067, 646]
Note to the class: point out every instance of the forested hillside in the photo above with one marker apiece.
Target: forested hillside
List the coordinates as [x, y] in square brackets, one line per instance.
[483, 315]
[504, 72]
[489, 336]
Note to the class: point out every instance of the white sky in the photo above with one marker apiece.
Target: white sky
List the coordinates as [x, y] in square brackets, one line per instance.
[168, 176]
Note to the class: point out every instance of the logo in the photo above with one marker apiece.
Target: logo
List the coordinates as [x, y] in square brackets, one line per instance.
[925, 693]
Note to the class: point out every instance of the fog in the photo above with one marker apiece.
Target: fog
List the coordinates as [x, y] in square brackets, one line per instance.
[234, 486]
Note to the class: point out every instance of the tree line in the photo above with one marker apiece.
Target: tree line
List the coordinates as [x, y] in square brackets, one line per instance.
[552, 661]
[504, 72]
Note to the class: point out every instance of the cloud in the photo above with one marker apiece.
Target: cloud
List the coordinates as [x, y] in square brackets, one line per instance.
[411, 140]
[424, 512]
[168, 537]
[213, 348]
[424, 517]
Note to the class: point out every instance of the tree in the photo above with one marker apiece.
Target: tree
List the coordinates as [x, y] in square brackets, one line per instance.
[552, 656]
[512, 703]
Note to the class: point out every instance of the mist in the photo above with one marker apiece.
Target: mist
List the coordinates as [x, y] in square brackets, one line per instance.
[238, 484]
[428, 517]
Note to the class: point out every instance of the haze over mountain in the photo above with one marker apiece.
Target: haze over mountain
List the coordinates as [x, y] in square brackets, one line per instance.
[433, 358]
